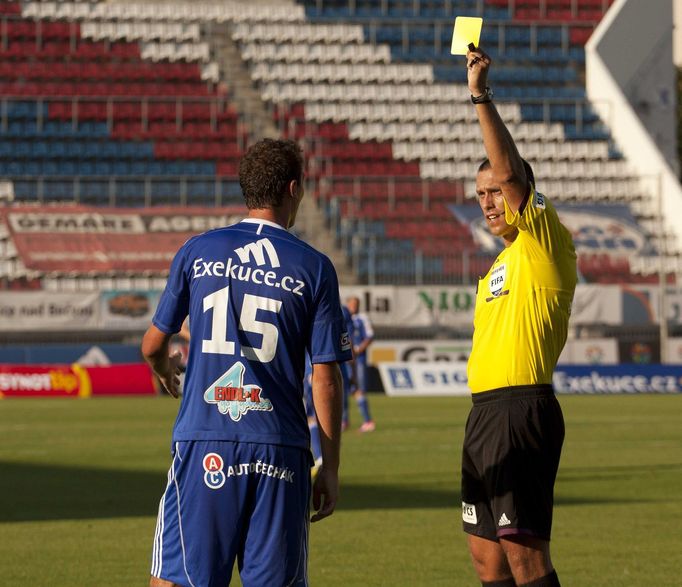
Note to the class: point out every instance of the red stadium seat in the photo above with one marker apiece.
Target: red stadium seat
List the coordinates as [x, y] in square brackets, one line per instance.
[10, 8]
[58, 30]
[528, 14]
[580, 35]
[227, 169]
[560, 14]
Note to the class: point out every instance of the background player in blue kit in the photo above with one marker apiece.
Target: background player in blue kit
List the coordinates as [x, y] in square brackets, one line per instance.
[362, 336]
[258, 299]
[315, 446]
[347, 370]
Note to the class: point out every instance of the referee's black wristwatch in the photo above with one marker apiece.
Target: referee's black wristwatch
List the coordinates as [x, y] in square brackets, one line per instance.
[484, 98]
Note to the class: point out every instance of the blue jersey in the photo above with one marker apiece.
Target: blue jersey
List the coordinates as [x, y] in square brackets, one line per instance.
[258, 298]
[362, 329]
[348, 318]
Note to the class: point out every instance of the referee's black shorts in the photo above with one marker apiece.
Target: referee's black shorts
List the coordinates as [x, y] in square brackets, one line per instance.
[512, 445]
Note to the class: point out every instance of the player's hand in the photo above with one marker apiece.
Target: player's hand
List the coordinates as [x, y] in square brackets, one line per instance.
[478, 65]
[171, 379]
[325, 494]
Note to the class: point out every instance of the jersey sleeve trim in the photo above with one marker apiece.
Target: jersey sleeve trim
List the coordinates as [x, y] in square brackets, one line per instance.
[165, 328]
[338, 357]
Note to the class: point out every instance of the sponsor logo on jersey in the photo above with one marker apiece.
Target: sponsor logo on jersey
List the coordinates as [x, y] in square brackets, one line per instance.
[469, 513]
[260, 468]
[214, 478]
[497, 278]
[345, 341]
[258, 250]
[232, 397]
[215, 471]
[539, 201]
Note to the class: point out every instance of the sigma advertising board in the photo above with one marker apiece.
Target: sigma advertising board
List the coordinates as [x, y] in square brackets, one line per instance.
[443, 378]
[425, 379]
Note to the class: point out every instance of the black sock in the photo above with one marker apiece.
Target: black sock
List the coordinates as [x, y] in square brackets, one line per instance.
[503, 583]
[550, 580]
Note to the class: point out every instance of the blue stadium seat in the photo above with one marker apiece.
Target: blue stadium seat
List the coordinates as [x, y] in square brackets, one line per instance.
[231, 188]
[197, 188]
[165, 189]
[25, 189]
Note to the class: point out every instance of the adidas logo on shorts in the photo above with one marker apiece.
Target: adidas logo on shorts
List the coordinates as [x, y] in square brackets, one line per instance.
[504, 520]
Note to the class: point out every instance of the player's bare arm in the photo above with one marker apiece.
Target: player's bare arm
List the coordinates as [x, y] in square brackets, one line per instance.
[505, 161]
[328, 401]
[155, 346]
[362, 347]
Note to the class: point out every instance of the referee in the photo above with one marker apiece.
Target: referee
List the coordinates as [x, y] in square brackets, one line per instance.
[515, 430]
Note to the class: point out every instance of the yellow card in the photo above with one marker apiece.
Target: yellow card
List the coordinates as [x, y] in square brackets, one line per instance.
[467, 30]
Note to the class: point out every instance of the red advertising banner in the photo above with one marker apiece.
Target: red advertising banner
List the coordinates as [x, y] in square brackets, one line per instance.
[132, 379]
[44, 381]
[85, 238]
[75, 380]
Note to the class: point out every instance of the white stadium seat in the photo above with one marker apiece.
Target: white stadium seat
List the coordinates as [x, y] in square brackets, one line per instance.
[162, 11]
[133, 31]
[315, 53]
[277, 91]
[210, 72]
[298, 33]
[362, 73]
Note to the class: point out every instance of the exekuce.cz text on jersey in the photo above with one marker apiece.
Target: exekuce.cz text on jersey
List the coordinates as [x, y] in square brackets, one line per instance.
[258, 298]
[524, 302]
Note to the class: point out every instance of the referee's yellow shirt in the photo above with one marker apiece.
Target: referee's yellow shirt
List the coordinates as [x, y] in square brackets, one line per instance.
[524, 302]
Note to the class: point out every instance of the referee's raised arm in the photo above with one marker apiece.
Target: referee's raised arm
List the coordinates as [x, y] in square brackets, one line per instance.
[505, 161]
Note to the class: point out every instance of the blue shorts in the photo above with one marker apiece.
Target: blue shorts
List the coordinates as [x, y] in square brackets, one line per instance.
[360, 375]
[346, 375]
[234, 500]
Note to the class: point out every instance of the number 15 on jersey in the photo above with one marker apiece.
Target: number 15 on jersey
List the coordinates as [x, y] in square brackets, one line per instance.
[218, 301]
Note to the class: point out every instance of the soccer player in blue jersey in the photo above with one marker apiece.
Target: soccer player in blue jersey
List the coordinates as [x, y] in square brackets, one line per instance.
[258, 299]
[315, 445]
[347, 370]
[362, 336]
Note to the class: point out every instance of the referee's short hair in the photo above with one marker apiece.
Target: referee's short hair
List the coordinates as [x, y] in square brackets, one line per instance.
[267, 169]
[526, 166]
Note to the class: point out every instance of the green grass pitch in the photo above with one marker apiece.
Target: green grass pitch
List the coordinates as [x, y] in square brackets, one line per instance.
[80, 483]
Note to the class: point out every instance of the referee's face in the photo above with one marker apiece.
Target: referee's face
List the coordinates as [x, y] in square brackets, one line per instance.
[492, 203]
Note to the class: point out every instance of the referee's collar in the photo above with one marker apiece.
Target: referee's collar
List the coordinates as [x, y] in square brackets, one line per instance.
[263, 221]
